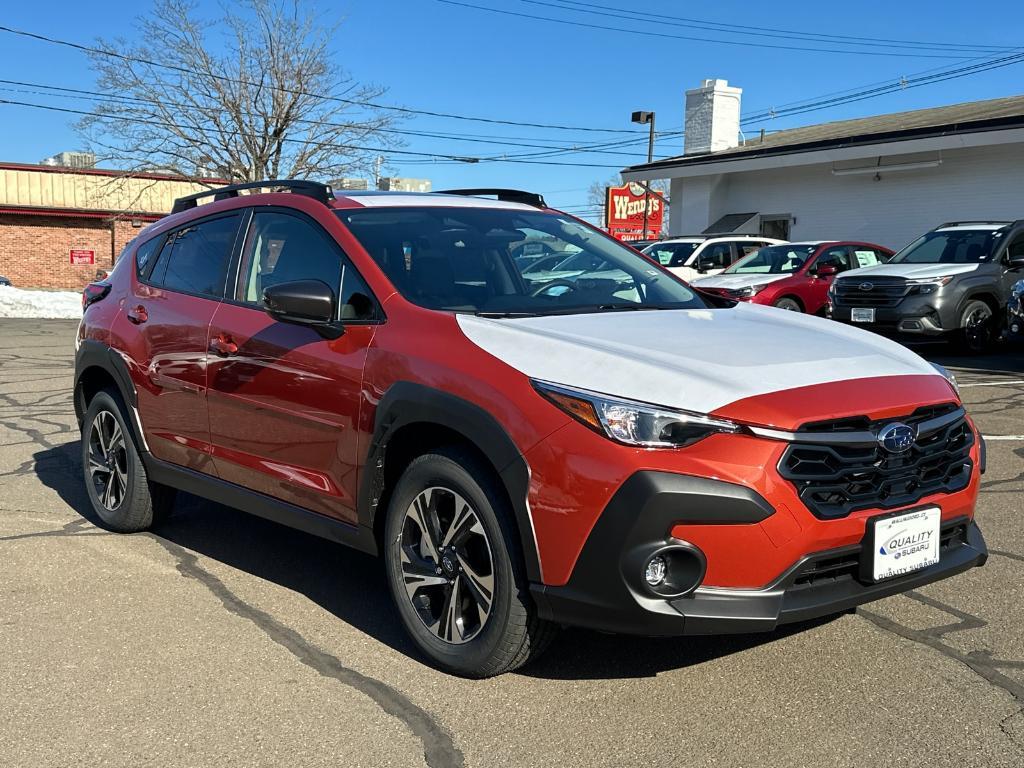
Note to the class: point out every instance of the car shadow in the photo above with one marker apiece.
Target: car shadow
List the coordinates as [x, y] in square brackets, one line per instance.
[351, 585]
[1006, 358]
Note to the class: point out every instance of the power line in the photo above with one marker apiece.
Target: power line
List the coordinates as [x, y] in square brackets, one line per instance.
[813, 104]
[760, 31]
[350, 147]
[297, 92]
[666, 35]
[79, 93]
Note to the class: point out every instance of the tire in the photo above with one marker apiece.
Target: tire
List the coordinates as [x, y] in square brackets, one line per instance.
[121, 494]
[977, 327]
[430, 501]
[791, 305]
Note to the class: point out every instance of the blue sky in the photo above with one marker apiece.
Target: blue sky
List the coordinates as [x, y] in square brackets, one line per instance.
[451, 58]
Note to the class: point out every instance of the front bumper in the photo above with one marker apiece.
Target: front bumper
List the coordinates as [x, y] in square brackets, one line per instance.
[929, 315]
[606, 590]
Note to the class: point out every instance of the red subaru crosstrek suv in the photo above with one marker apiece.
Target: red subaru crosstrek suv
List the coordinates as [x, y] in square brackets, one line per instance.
[374, 368]
[793, 276]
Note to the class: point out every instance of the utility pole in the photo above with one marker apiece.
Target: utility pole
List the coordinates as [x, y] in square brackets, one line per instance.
[646, 118]
[377, 165]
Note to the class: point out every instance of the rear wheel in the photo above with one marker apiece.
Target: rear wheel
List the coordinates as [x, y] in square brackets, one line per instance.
[977, 327]
[454, 568]
[792, 305]
[115, 478]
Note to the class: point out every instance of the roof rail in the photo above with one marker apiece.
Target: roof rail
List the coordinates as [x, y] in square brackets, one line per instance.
[971, 221]
[314, 189]
[505, 195]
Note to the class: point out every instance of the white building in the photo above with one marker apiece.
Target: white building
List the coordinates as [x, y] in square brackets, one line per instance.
[885, 179]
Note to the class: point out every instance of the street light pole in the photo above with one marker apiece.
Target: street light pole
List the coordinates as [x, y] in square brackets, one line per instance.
[646, 118]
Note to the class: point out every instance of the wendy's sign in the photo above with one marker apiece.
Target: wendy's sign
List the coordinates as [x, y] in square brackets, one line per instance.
[624, 212]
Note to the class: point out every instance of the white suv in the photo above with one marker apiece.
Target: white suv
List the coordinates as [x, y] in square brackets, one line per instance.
[689, 257]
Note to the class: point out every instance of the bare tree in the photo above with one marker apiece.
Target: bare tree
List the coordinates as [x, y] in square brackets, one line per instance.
[269, 103]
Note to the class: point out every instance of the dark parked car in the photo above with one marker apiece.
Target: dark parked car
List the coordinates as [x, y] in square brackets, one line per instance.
[953, 282]
[4, 280]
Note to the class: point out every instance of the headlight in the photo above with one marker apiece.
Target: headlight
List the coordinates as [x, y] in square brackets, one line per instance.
[749, 292]
[948, 377]
[633, 423]
[931, 284]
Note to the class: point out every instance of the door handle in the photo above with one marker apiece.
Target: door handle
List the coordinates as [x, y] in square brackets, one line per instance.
[223, 345]
[138, 315]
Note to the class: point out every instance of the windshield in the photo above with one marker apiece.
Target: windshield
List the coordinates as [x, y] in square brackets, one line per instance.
[954, 246]
[671, 254]
[773, 260]
[502, 261]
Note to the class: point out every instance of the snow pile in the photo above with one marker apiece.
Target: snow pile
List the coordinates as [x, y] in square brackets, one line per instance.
[18, 302]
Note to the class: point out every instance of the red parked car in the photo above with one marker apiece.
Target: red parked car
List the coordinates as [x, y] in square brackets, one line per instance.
[376, 369]
[793, 276]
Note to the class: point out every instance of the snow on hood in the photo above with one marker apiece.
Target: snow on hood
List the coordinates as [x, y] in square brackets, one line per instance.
[735, 282]
[19, 302]
[696, 359]
[912, 271]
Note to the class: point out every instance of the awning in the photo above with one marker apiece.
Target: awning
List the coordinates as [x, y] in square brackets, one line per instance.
[730, 223]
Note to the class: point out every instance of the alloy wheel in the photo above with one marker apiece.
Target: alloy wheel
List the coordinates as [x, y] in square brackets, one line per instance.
[447, 567]
[978, 327]
[108, 460]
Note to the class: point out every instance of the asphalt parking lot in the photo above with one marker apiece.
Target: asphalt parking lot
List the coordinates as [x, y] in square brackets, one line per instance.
[221, 639]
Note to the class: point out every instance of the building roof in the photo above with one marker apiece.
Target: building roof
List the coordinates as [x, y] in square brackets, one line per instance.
[49, 190]
[967, 117]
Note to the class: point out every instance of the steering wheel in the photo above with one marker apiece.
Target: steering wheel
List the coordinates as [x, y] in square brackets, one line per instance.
[544, 287]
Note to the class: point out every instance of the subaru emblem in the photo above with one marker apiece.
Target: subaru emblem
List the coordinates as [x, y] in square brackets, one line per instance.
[896, 437]
[866, 286]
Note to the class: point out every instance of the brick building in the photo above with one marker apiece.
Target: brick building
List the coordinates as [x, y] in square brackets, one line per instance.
[52, 217]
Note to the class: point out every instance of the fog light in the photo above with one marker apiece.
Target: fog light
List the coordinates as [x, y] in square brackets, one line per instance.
[655, 571]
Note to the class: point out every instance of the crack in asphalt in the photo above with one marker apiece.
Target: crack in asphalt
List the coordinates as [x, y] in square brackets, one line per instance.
[439, 750]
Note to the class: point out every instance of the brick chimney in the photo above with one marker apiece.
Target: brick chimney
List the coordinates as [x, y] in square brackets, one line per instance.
[712, 118]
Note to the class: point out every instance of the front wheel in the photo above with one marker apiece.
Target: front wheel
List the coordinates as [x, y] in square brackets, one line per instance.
[792, 305]
[977, 327]
[454, 568]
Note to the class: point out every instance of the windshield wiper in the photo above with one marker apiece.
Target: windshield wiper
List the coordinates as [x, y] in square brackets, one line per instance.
[499, 315]
[630, 307]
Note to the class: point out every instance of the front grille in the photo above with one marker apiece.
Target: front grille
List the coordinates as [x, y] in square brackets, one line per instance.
[834, 478]
[883, 292]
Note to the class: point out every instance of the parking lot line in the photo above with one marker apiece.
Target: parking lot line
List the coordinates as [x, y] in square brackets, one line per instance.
[1004, 437]
[991, 383]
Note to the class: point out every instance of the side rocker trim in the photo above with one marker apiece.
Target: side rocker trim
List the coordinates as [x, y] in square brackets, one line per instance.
[255, 503]
[408, 403]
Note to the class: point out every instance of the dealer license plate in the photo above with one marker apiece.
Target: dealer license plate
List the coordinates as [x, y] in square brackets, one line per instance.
[904, 543]
[862, 314]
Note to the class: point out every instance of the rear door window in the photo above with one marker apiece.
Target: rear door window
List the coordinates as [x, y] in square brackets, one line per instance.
[867, 257]
[195, 258]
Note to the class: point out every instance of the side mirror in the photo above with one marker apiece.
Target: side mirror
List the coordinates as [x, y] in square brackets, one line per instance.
[703, 265]
[1016, 262]
[826, 270]
[302, 302]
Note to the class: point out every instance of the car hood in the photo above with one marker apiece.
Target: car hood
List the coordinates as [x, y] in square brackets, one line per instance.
[735, 282]
[910, 271]
[694, 359]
